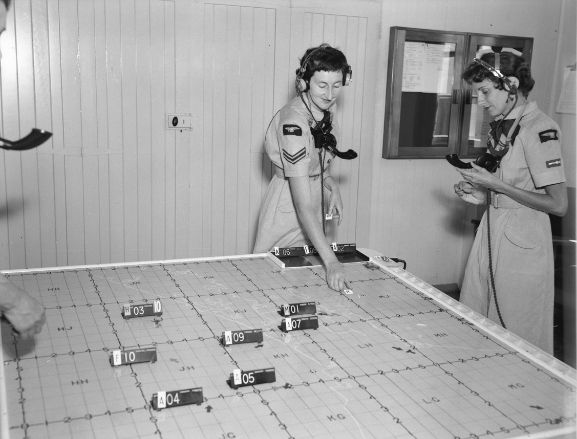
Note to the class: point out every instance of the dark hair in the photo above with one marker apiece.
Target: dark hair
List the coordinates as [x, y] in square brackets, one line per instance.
[6, 3]
[322, 58]
[509, 65]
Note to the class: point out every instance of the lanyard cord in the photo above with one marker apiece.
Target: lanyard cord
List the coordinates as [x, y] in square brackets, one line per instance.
[491, 273]
[489, 196]
[322, 154]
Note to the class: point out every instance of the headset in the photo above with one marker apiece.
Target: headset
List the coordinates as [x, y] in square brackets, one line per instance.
[302, 85]
[506, 82]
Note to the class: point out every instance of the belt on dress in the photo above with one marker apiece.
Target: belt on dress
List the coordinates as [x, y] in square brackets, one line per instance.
[500, 201]
[279, 172]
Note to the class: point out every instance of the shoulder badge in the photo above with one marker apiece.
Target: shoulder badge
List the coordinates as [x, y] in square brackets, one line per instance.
[547, 135]
[291, 130]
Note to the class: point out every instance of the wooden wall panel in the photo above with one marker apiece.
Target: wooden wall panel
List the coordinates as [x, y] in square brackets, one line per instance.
[114, 183]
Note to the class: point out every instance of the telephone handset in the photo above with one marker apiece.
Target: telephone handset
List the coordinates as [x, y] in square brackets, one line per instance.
[487, 161]
[325, 139]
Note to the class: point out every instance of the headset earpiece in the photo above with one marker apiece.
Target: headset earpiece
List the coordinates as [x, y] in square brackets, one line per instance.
[347, 75]
[301, 85]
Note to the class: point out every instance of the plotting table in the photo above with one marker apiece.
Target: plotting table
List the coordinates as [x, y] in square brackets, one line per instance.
[394, 359]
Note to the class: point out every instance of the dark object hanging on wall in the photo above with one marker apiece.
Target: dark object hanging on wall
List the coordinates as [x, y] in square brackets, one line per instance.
[35, 138]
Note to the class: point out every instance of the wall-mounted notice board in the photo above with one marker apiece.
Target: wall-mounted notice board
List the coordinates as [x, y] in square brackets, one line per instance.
[430, 112]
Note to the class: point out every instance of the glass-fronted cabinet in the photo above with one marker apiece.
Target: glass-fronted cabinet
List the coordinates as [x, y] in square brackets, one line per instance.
[430, 112]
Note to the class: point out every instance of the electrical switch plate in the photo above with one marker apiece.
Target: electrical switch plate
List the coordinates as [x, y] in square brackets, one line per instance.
[179, 121]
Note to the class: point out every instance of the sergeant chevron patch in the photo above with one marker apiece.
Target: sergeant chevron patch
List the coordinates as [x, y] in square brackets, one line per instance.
[296, 157]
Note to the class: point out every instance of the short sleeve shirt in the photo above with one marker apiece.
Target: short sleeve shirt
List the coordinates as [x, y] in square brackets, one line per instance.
[534, 160]
[290, 144]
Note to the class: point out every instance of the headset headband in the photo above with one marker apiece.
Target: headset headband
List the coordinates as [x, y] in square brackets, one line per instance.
[496, 71]
[347, 70]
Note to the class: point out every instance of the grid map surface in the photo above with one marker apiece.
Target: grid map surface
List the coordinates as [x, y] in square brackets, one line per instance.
[386, 361]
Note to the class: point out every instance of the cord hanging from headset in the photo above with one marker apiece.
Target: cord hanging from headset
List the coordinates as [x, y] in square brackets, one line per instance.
[491, 273]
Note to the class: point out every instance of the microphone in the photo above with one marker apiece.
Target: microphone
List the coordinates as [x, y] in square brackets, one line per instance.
[345, 155]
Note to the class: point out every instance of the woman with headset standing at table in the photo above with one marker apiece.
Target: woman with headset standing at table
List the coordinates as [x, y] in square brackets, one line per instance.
[301, 142]
[509, 274]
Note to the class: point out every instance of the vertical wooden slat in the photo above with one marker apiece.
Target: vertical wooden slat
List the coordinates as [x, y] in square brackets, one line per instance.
[114, 35]
[59, 188]
[207, 140]
[182, 149]
[89, 125]
[356, 123]
[196, 159]
[144, 124]
[31, 240]
[102, 181]
[157, 132]
[232, 65]
[246, 53]
[169, 143]
[130, 111]
[42, 77]
[366, 44]
[218, 128]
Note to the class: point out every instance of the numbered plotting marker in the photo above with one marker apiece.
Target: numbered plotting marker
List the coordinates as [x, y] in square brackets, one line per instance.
[130, 356]
[296, 323]
[130, 310]
[175, 398]
[243, 336]
[311, 250]
[240, 378]
[294, 309]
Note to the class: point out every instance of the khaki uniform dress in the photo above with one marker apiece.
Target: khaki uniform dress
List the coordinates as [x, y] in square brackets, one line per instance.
[291, 148]
[521, 241]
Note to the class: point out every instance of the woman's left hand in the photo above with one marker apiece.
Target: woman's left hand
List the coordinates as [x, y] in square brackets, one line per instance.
[479, 176]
